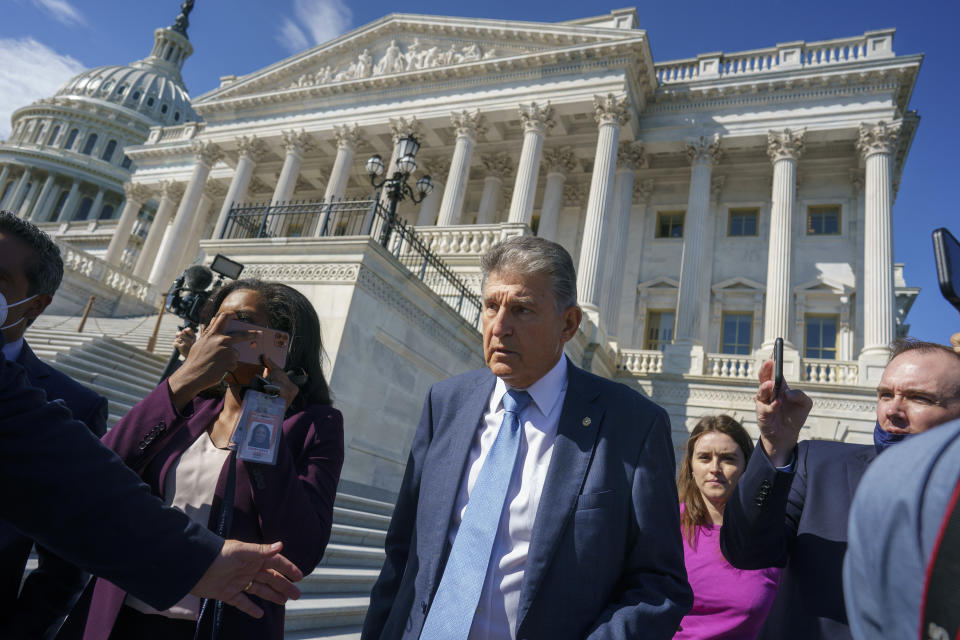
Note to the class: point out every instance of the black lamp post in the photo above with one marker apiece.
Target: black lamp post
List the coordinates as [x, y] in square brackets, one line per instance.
[395, 184]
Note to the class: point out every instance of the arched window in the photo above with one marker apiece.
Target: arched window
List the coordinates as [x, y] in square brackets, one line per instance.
[169, 53]
[84, 209]
[108, 152]
[150, 101]
[136, 95]
[176, 116]
[126, 162]
[53, 135]
[107, 212]
[72, 138]
[91, 143]
[36, 138]
[163, 109]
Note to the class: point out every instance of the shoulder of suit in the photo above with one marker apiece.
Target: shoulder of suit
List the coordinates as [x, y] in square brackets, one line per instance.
[458, 382]
[815, 451]
[617, 392]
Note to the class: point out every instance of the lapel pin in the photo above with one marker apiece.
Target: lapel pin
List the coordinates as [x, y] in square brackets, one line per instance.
[586, 421]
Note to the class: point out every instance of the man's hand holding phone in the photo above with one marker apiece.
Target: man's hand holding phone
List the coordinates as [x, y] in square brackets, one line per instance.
[780, 415]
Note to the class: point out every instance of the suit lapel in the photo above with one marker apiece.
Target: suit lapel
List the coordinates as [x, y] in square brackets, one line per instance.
[573, 450]
[185, 436]
[455, 431]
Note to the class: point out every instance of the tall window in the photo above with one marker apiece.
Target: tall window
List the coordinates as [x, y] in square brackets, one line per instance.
[36, 137]
[71, 139]
[84, 211]
[743, 222]
[737, 333]
[126, 162]
[62, 200]
[821, 336]
[53, 135]
[107, 212]
[659, 329]
[91, 142]
[108, 152]
[823, 220]
[670, 224]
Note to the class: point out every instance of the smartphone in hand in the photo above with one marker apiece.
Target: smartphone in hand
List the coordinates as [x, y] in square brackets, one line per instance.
[946, 251]
[270, 343]
[777, 366]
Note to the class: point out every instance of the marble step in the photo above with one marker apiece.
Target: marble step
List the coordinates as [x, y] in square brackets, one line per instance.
[359, 518]
[361, 536]
[339, 633]
[350, 555]
[312, 612]
[342, 580]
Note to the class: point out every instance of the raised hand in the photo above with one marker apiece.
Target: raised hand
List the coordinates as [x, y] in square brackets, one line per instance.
[779, 416]
[276, 376]
[243, 568]
[210, 358]
[184, 340]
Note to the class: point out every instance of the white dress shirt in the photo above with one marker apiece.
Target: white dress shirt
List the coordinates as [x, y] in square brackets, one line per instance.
[496, 615]
[11, 350]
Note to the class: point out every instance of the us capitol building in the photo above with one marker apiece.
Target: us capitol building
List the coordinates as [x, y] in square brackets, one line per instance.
[711, 204]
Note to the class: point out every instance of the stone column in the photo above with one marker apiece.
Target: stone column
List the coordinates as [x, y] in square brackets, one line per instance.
[252, 150]
[211, 192]
[137, 194]
[610, 112]
[70, 204]
[13, 202]
[4, 175]
[537, 121]
[40, 207]
[499, 167]
[702, 154]
[876, 145]
[436, 168]
[784, 148]
[296, 145]
[629, 159]
[558, 163]
[469, 126]
[97, 205]
[347, 140]
[628, 313]
[205, 154]
[170, 193]
[24, 211]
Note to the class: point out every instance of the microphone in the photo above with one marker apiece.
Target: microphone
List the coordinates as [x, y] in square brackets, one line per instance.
[197, 277]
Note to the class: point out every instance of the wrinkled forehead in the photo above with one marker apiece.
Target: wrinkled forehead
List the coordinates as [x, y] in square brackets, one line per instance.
[934, 371]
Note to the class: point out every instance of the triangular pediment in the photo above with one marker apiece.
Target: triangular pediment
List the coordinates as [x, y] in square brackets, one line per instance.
[659, 284]
[402, 48]
[823, 285]
[738, 285]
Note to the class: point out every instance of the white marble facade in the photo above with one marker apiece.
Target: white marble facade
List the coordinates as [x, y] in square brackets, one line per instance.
[756, 188]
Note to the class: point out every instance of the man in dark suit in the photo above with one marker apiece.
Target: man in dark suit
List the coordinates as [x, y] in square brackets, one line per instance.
[791, 506]
[539, 500]
[31, 258]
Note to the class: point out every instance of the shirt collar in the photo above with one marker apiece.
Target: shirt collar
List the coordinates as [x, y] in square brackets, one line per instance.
[11, 350]
[545, 392]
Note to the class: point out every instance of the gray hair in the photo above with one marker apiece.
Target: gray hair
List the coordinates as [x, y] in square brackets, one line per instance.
[44, 270]
[531, 255]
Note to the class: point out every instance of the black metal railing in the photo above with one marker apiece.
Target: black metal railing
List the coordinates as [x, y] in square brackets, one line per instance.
[364, 217]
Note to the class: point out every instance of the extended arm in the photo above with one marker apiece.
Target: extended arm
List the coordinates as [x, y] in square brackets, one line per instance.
[653, 594]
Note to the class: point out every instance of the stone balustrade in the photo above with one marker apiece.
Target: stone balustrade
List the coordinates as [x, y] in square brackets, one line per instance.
[467, 240]
[101, 271]
[784, 56]
[640, 361]
[724, 365]
[830, 371]
[185, 131]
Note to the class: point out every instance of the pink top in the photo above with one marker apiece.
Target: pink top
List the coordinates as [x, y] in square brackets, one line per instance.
[727, 603]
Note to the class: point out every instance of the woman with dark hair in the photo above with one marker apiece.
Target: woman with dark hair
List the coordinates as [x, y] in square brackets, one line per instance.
[178, 439]
[727, 602]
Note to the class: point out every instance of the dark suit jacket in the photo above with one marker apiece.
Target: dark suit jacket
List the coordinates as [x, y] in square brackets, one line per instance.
[102, 523]
[605, 557]
[291, 501]
[798, 521]
[49, 592]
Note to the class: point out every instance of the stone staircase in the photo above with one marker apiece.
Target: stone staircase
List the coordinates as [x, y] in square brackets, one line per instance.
[336, 594]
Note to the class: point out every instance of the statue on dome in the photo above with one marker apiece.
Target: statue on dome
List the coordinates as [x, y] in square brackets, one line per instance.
[182, 22]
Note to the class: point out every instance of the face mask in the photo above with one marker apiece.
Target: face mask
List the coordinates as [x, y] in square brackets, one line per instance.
[5, 308]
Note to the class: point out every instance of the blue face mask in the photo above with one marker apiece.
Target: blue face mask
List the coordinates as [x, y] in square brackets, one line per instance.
[5, 309]
[883, 439]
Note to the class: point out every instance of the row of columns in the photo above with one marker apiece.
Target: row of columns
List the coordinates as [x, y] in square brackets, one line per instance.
[33, 199]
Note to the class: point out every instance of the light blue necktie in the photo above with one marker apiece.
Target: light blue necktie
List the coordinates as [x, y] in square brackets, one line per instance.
[451, 614]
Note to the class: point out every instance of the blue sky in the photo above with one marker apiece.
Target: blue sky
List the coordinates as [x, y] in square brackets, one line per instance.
[44, 42]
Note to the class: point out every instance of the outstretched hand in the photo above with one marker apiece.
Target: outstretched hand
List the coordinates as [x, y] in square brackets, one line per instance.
[779, 416]
[242, 568]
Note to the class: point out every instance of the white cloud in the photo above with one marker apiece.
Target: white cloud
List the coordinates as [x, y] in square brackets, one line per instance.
[29, 70]
[313, 22]
[62, 11]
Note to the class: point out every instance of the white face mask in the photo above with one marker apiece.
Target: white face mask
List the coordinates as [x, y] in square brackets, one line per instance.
[5, 309]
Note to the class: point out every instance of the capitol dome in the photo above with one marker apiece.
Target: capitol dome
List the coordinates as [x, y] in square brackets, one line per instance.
[64, 161]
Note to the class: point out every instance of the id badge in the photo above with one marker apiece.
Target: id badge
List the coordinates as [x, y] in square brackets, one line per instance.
[257, 434]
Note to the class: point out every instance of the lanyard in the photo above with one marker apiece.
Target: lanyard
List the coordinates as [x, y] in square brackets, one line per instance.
[223, 530]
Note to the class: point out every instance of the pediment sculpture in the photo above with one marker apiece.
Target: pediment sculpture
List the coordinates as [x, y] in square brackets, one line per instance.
[416, 57]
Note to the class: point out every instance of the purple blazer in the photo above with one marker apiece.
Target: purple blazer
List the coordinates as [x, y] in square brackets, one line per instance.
[291, 502]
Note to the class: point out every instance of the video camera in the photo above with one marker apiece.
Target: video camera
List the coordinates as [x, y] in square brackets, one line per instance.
[191, 290]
